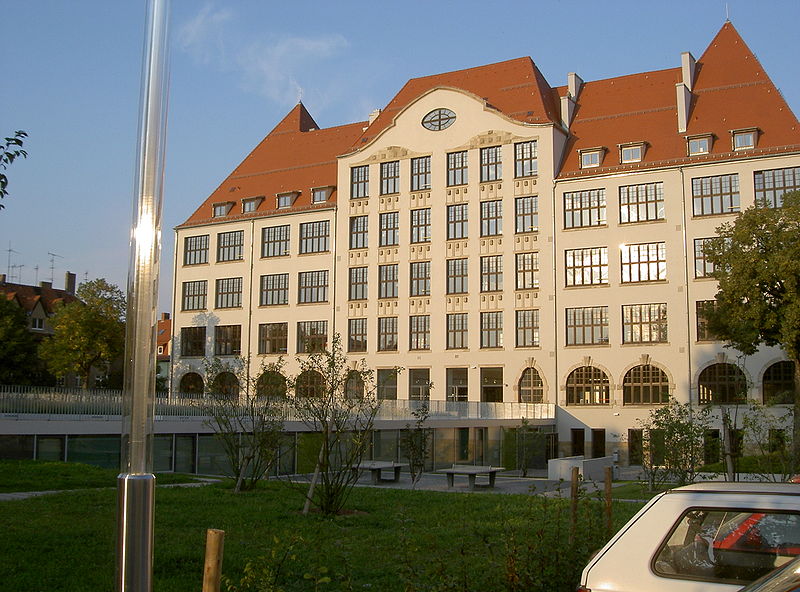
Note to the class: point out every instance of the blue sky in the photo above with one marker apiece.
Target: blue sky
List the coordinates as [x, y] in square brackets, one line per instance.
[71, 79]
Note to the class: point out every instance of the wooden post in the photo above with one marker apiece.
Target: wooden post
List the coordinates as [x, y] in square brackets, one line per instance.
[573, 512]
[215, 541]
[609, 474]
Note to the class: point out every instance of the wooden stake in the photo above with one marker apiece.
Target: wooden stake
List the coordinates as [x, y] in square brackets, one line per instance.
[212, 572]
[609, 474]
[573, 514]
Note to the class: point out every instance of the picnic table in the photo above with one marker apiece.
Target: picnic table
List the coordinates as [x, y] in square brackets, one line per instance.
[376, 466]
[471, 471]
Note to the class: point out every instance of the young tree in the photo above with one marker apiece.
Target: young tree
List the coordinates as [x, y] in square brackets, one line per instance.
[18, 359]
[10, 150]
[339, 402]
[756, 261]
[88, 333]
[415, 442]
[246, 416]
[765, 430]
[672, 440]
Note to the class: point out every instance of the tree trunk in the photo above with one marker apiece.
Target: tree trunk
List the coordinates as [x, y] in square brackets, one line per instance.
[727, 447]
[795, 462]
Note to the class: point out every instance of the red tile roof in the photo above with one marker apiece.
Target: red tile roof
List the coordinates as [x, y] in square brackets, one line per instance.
[29, 296]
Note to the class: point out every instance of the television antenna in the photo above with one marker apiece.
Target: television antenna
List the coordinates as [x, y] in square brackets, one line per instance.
[9, 250]
[36, 275]
[53, 263]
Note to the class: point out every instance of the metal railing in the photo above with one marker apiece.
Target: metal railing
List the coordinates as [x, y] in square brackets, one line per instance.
[22, 402]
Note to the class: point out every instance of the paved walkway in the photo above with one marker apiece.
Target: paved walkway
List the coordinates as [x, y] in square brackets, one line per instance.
[6, 497]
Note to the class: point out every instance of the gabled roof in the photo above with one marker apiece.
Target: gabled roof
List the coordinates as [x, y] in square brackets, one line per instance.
[516, 88]
[731, 91]
[28, 297]
[295, 156]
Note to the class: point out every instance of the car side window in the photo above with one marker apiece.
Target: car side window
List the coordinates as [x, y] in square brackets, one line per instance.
[728, 545]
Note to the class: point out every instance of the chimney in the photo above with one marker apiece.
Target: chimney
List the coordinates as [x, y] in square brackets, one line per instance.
[567, 110]
[374, 115]
[46, 285]
[2, 278]
[688, 69]
[164, 316]
[69, 283]
[574, 84]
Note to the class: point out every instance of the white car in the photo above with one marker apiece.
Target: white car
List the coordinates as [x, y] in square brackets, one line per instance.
[703, 537]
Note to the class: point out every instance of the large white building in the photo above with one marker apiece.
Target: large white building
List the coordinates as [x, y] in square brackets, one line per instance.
[535, 249]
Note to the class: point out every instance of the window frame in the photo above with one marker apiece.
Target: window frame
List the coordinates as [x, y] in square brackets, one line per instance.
[389, 226]
[359, 232]
[388, 334]
[526, 162]
[458, 283]
[195, 249]
[357, 334]
[457, 168]
[390, 177]
[715, 195]
[230, 246]
[228, 292]
[492, 217]
[197, 298]
[645, 319]
[227, 340]
[651, 260]
[526, 214]
[276, 343]
[193, 342]
[641, 198]
[577, 262]
[420, 278]
[527, 270]
[388, 281]
[457, 330]
[275, 241]
[359, 182]
[457, 221]
[491, 164]
[491, 329]
[313, 334]
[315, 237]
[586, 208]
[420, 173]
[586, 321]
[419, 332]
[312, 286]
[527, 327]
[420, 225]
[491, 273]
[273, 289]
[358, 283]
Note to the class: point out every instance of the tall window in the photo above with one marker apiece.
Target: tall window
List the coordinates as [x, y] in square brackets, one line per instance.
[229, 293]
[645, 385]
[646, 262]
[195, 250]
[644, 323]
[585, 208]
[702, 266]
[527, 328]
[312, 286]
[387, 281]
[421, 225]
[526, 211]
[275, 241]
[359, 182]
[457, 276]
[419, 332]
[227, 340]
[491, 165]
[777, 385]
[386, 387]
[193, 341]
[587, 385]
[586, 267]
[491, 385]
[527, 271]
[230, 245]
[641, 203]
[390, 229]
[722, 383]
[387, 333]
[359, 232]
[525, 162]
[194, 295]
[492, 329]
[274, 289]
[457, 221]
[457, 168]
[390, 177]
[457, 331]
[312, 336]
[715, 195]
[358, 283]
[421, 278]
[531, 386]
[587, 325]
[357, 335]
[457, 384]
[703, 332]
[419, 384]
[771, 185]
[491, 218]
[420, 173]
[492, 273]
[273, 338]
[314, 236]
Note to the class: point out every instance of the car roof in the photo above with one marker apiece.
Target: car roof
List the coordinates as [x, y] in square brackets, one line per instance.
[719, 487]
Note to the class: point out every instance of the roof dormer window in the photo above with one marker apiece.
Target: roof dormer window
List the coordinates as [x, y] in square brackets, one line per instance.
[591, 157]
[251, 204]
[321, 194]
[221, 209]
[631, 152]
[285, 200]
[744, 139]
[699, 144]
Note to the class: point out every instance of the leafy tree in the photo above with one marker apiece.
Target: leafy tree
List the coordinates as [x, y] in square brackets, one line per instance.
[756, 261]
[415, 442]
[339, 402]
[10, 150]
[764, 428]
[88, 333]
[247, 421]
[672, 442]
[18, 360]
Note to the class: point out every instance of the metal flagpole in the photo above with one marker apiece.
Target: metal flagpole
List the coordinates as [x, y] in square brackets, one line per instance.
[136, 482]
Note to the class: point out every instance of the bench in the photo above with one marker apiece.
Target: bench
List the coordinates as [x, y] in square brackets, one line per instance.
[375, 467]
[471, 471]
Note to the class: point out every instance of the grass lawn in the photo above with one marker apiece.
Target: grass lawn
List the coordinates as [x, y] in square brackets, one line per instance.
[35, 475]
[393, 540]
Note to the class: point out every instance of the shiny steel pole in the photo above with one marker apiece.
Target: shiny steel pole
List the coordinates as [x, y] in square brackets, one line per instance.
[136, 483]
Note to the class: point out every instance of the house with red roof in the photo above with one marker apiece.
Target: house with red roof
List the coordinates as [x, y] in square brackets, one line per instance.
[39, 302]
[520, 249]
